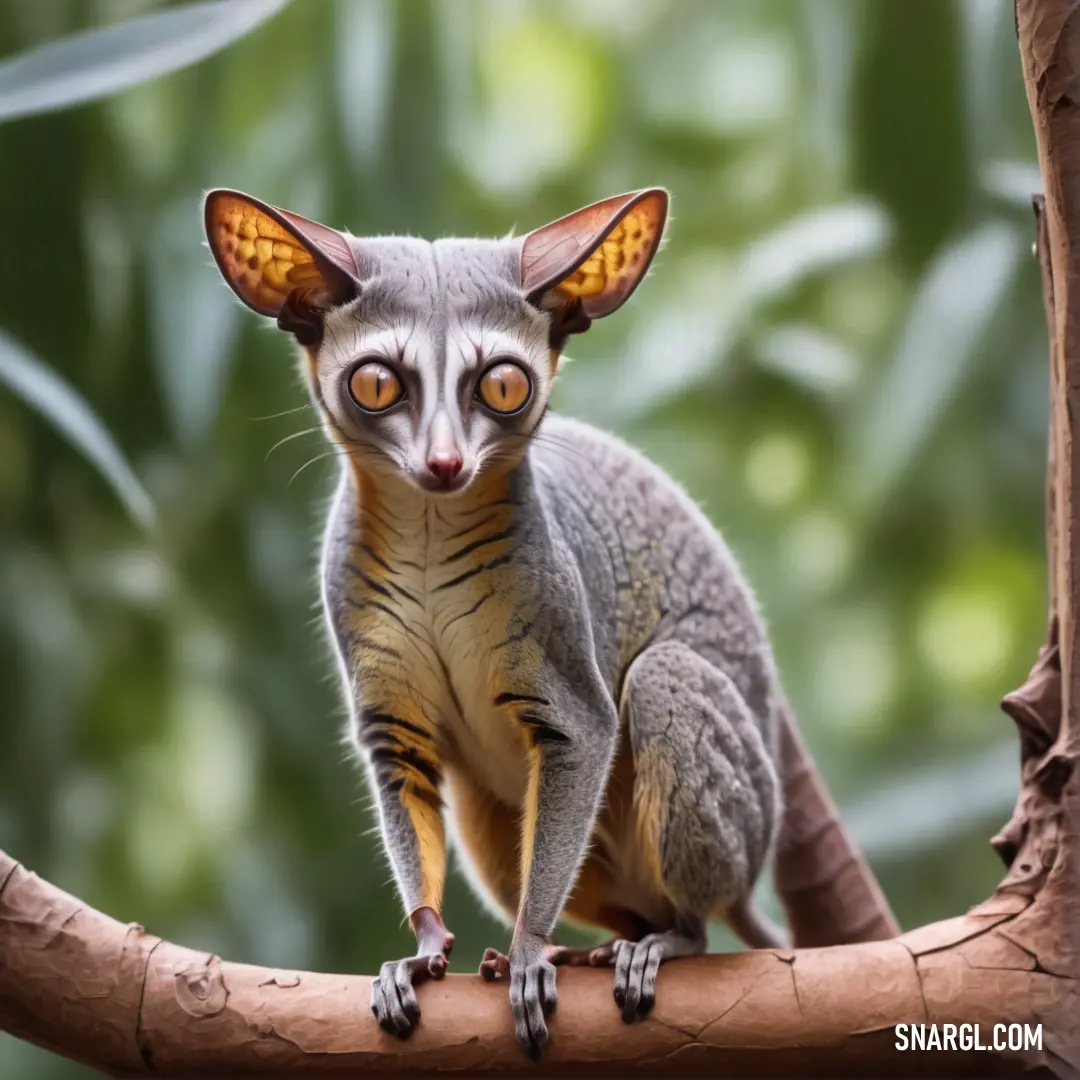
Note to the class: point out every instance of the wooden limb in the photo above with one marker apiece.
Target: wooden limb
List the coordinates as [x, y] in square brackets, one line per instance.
[118, 998]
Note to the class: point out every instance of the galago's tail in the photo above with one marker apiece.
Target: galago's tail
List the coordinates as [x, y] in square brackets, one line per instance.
[828, 891]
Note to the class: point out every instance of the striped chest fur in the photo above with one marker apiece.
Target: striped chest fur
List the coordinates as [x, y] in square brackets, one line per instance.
[428, 608]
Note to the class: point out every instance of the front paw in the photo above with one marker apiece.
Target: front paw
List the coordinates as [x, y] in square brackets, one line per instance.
[393, 997]
[532, 992]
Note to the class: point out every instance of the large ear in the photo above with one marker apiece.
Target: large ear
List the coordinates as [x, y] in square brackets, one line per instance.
[587, 264]
[280, 264]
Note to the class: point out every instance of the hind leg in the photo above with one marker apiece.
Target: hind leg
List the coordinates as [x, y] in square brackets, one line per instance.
[705, 801]
[486, 837]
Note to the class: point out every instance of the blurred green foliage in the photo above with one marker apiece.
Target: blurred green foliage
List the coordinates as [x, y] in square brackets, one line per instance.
[840, 353]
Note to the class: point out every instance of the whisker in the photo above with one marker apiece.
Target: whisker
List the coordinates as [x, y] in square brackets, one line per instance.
[564, 452]
[313, 461]
[289, 438]
[286, 412]
[554, 440]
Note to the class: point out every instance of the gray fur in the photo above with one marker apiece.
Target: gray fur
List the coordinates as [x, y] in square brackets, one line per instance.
[700, 690]
[687, 720]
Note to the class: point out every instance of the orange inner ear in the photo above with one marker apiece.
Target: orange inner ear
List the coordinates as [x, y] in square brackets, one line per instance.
[262, 260]
[617, 262]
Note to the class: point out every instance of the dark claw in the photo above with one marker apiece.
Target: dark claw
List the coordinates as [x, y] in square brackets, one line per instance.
[533, 996]
[636, 967]
[623, 955]
[533, 999]
[393, 996]
[385, 1003]
[403, 983]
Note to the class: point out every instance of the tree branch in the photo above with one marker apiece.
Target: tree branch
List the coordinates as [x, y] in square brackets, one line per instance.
[114, 996]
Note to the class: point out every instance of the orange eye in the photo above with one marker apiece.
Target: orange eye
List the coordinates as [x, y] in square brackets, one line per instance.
[374, 387]
[505, 388]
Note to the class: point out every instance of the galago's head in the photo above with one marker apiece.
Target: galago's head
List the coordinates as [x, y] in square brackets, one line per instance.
[433, 360]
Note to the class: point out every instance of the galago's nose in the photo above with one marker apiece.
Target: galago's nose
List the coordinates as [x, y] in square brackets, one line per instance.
[444, 460]
[444, 465]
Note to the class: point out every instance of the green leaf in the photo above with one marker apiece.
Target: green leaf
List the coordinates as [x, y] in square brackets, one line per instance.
[808, 357]
[1013, 182]
[62, 405]
[948, 324]
[814, 242]
[364, 43]
[195, 321]
[934, 805]
[99, 63]
[707, 303]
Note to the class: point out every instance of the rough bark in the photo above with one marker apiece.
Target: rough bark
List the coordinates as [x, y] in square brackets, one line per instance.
[77, 982]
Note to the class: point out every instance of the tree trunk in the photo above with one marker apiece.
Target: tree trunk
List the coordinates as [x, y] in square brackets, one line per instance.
[81, 984]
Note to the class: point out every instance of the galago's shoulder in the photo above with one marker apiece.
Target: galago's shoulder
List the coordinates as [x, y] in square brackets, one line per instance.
[570, 451]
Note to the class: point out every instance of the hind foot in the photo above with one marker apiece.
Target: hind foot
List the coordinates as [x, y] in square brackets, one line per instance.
[496, 965]
[637, 964]
[596, 956]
